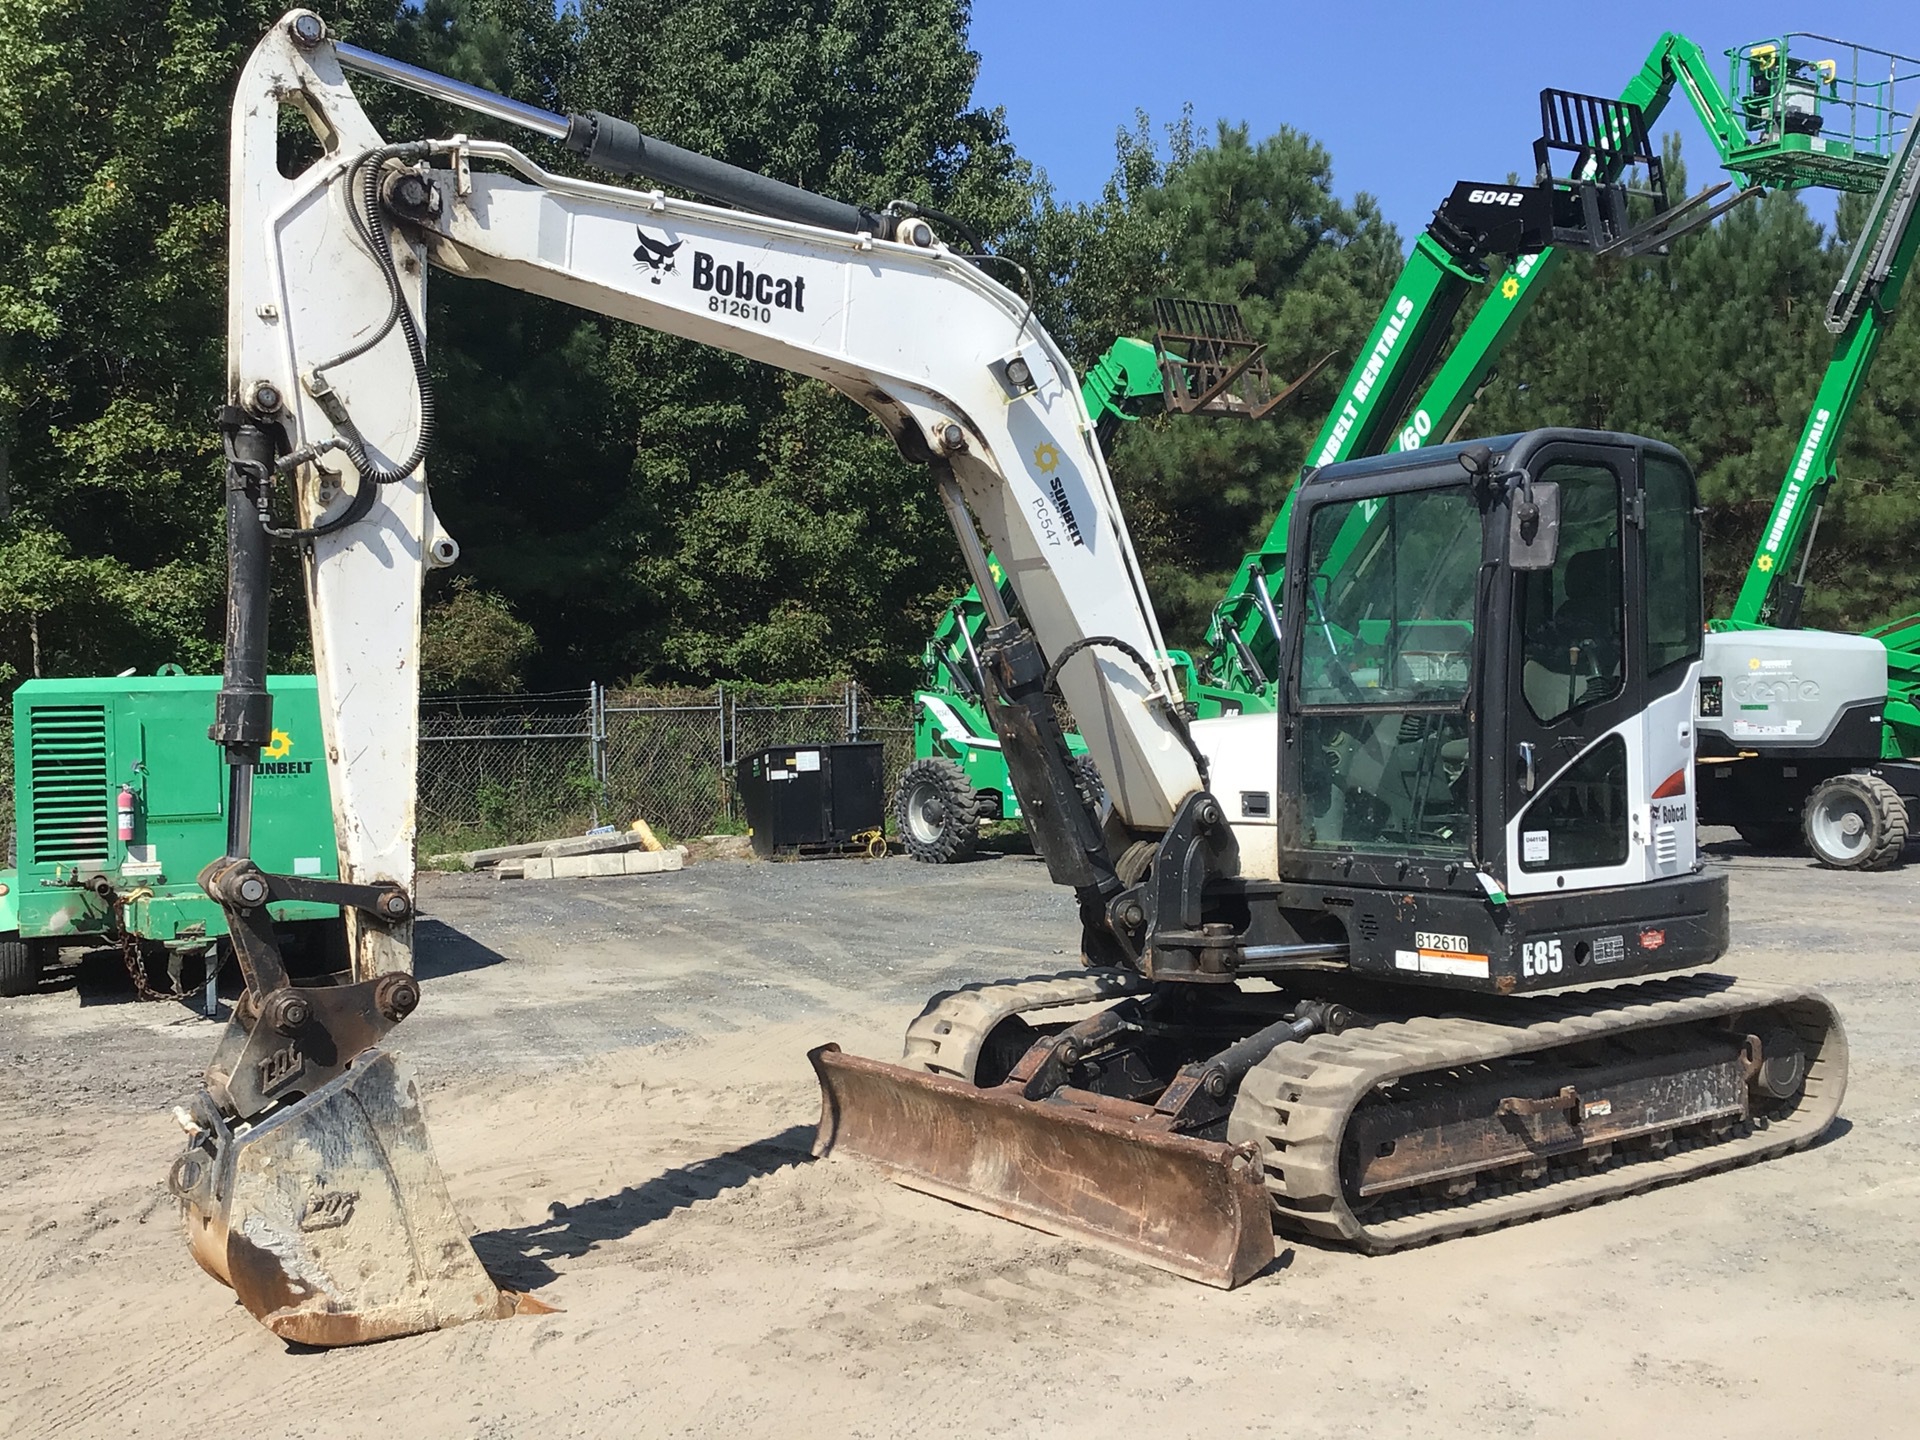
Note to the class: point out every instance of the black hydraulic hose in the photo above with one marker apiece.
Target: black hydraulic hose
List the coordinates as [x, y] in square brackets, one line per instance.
[1113, 642]
[363, 209]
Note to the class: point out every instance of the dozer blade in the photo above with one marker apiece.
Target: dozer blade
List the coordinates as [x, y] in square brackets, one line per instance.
[1194, 1207]
[330, 1218]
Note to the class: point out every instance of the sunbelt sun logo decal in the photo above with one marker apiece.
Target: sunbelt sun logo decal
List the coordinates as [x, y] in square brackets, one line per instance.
[273, 757]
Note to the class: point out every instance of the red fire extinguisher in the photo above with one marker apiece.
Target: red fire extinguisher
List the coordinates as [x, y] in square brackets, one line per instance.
[124, 807]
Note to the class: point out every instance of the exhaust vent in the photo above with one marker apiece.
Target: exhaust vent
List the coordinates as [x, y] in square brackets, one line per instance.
[68, 765]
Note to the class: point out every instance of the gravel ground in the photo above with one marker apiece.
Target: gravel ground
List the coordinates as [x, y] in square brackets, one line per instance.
[616, 1078]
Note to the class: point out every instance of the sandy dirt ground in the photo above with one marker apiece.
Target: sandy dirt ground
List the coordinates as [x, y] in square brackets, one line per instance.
[617, 1085]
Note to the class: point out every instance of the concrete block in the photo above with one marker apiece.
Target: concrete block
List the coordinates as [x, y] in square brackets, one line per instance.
[625, 862]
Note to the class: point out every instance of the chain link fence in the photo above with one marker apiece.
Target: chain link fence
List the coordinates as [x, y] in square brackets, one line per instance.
[499, 769]
[496, 769]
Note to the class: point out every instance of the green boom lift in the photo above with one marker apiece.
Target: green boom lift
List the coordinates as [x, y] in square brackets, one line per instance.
[1201, 361]
[1775, 123]
[1808, 736]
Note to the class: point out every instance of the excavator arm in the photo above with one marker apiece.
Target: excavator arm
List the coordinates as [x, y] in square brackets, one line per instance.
[308, 1180]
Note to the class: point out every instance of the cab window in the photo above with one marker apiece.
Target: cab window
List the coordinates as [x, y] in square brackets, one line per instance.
[1386, 667]
[1390, 600]
[1573, 616]
[1674, 608]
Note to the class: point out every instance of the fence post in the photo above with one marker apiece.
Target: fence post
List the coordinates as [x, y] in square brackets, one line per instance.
[596, 754]
[853, 711]
[720, 718]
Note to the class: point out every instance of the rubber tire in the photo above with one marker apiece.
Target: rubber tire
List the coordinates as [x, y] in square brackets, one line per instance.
[19, 967]
[956, 832]
[1772, 837]
[1885, 815]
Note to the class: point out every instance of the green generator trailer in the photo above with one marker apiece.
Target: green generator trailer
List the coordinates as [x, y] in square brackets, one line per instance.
[120, 799]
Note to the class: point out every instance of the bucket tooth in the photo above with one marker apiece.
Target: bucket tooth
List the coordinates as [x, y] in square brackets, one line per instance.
[331, 1220]
[1194, 1207]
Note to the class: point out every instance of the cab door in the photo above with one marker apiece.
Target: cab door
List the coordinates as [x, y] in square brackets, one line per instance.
[1378, 739]
[1576, 792]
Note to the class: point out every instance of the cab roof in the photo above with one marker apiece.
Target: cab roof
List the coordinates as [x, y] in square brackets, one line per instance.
[1513, 448]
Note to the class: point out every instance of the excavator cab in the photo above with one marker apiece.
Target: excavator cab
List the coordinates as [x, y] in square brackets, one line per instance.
[1489, 689]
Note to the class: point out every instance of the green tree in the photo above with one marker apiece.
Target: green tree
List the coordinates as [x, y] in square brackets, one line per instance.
[471, 642]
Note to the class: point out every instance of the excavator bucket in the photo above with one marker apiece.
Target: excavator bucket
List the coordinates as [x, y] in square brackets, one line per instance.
[330, 1218]
[1065, 1165]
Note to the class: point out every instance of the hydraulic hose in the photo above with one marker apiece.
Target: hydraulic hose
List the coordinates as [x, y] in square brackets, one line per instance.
[363, 181]
[1111, 642]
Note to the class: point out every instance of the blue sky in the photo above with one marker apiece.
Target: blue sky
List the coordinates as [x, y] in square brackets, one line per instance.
[1407, 96]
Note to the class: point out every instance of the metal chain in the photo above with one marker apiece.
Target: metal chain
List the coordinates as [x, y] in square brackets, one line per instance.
[134, 959]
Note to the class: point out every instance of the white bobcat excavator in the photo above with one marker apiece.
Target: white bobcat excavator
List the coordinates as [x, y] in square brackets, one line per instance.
[1313, 936]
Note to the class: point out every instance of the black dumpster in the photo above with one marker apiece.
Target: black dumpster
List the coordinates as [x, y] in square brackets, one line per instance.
[812, 797]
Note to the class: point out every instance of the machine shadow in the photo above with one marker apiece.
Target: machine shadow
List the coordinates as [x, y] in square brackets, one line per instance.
[518, 1258]
[439, 949]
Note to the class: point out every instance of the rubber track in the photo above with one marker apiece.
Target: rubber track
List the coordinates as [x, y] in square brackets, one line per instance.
[1295, 1104]
[947, 1036]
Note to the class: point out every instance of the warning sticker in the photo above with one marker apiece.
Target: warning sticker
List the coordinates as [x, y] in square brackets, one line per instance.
[1435, 962]
[1441, 962]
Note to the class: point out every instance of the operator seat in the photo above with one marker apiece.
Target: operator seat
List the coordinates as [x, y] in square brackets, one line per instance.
[1575, 658]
